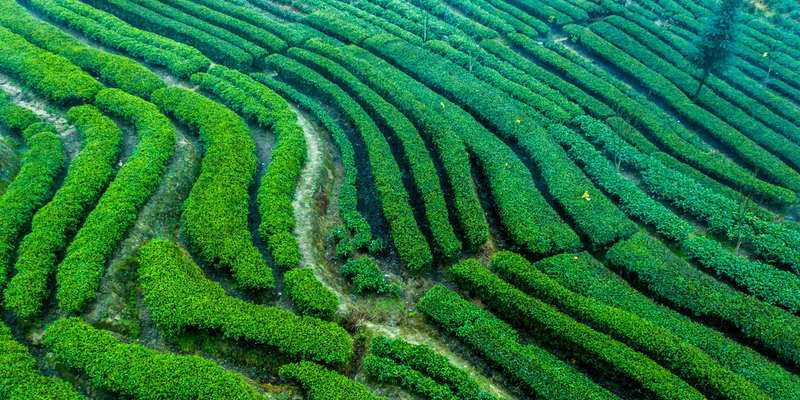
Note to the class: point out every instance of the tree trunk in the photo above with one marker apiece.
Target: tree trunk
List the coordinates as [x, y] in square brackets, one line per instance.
[702, 83]
[425, 26]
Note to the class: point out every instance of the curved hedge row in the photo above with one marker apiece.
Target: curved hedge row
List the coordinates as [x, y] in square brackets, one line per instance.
[464, 24]
[378, 22]
[309, 294]
[113, 69]
[20, 378]
[768, 240]
[677, 282]
[714, 164]
[257, 102]
[215, 214]
[632, 200]
[182, 297]
[408, 239]
[608, 356]
[53, 77]
[422, 358]
[33, 185]
[742, 117]
[535, 368]
[80, 272]
[766, 282]
[599, 219]
[523, 22]
[381, 77]
[178, 58]
[413, 148]
[86, 178]
[387, 371]
[181, 31]
[348, 199]
[590, 278]
[321, 383]
[731, 138]
[338, 25]
[661, 345]
[136, 371]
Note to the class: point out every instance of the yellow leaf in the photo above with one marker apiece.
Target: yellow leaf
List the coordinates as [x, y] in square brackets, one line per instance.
[442, 104]
[585, 195]
[765, 54]
[517, 121]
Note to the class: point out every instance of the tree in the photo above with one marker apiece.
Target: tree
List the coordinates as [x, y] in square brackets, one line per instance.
[716, 43]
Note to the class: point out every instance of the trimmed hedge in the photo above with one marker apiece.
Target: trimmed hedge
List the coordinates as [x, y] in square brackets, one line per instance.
[215, 214]
[714, 164]
[338, 25]
[366, 276]
[632, 200]
[257, 102]
[309, 294]
[543, 11]
[442, 11]
[446, 245]
[80, 272]
[33, 185]
[87, 177]
[424, 359]
[523, 22]
[370, 21]
[136, 371]
[20, 378]
[182, 297]
[381, 77]
[387, 371]
[598, 219]
[52, 77]
[610, 357]
[115, 70]
[592, 279]
[180, 30]
[661, 345]
[414, 250]
[178, 58]
[535, 368]
[348, 199]
[321, 383]
[758, 157]
[674, 280]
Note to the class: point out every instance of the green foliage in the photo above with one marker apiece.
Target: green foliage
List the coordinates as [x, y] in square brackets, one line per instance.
[598, 219]
[215, 214]
[366, 276]
[543, 10]
[80, 272]
[321, 383]
[446, 245]
[338, 25]
[181, 28]
[53, 77]
[454, 20]
[181, 298]
[538, 370]
[673, 279]
[96, 24]
[115, 70]
[661, 345]
[590, 278]
[610, 357]
[715, 43]
[14, 118]
[136, 371]
[87, 177]
[411, 245]
[386, 370]
[256, 101]
[309, 294]
[425, 360]
[427, 117]
[348, 198]
[19, 376]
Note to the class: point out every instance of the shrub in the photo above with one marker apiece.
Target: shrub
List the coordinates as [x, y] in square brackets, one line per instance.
[80, 272]
[181, 298]
[386, 370]
[321, 383]
[136, 371]
[14, 118]
[366, 276]
[215, 214]
[309, 294]
[86, 179]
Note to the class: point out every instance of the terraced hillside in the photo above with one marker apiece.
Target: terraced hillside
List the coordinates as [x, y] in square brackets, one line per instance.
[399, 199]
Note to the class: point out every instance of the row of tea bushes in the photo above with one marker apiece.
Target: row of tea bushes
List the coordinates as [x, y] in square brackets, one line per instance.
[387, 371]
[80, 272]
[87, 177]
[136, 371]
[215, 214]
[182, 298]
[321, 383]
